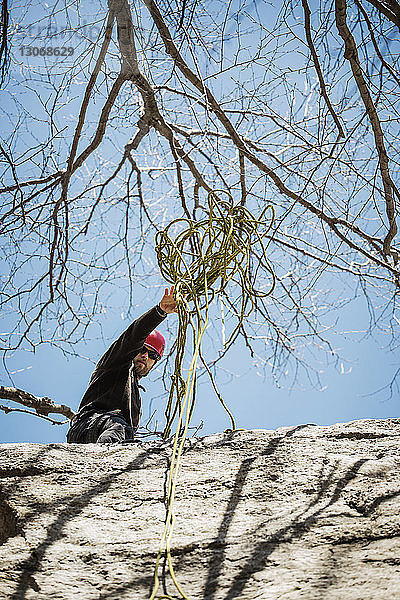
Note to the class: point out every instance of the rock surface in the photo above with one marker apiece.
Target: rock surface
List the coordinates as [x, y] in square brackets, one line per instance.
[301, 512]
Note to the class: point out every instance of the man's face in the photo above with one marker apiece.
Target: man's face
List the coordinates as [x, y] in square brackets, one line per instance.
[143, 364]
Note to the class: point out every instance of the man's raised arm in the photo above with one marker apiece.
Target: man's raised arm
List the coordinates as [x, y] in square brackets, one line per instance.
[132, 339]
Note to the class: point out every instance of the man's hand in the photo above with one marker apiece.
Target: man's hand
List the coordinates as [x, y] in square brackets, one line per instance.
[168, 303]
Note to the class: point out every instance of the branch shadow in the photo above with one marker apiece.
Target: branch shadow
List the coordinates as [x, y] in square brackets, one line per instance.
[215, 567]
[294, 530]
[327, 576]
[28, 469]
[73, 505]
[370, 508]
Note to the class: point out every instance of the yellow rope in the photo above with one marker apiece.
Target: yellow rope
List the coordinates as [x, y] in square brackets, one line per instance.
[166, 537]
[220, 246]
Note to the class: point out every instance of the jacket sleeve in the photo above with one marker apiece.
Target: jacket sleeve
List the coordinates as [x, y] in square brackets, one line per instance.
[129, 343]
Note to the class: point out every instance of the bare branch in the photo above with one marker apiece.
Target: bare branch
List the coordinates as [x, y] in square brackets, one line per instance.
[352, 56]
[389, 8]
[388, 67]
[4, 50]
[8, 409]
[85, 102]
[43, 406]
[40, 181]
[307, 25]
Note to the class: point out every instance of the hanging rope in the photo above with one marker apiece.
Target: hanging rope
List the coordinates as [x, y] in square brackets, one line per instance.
[201, 258]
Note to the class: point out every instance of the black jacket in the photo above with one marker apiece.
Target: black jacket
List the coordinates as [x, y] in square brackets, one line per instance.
[114, 384]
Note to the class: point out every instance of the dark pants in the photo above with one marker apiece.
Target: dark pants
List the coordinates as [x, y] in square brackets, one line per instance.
[101, 427]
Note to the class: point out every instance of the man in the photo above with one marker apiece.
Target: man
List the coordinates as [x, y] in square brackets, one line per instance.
[110, 410]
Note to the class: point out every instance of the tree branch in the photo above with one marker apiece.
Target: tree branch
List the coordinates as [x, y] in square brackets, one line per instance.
[390, 8]
[7, 410]
[4, 50]
[307, 26]
[43, 406]
[152, 116]
[351, 55]
[388, 67]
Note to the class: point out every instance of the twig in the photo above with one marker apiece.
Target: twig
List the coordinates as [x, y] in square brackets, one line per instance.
[8, 409]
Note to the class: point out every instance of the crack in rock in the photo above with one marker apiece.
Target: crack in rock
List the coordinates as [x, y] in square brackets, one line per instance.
[8, 520]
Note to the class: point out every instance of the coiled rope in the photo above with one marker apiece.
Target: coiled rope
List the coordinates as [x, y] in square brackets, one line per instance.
[201, 259]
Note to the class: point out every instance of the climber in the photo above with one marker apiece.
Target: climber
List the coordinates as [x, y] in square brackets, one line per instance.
[110, 409]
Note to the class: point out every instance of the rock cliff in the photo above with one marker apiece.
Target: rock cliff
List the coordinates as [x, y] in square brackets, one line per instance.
[301, 512]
